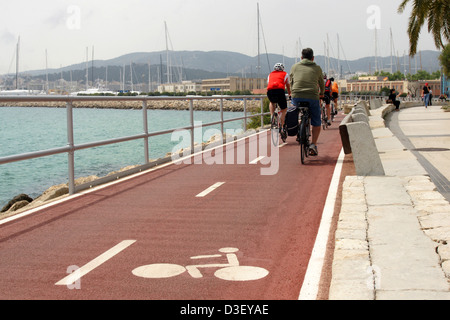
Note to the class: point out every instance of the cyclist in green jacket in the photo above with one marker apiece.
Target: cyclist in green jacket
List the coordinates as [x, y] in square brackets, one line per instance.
[307, 85]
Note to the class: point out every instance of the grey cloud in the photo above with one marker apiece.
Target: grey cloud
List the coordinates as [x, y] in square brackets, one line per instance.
[57, 19]
[7, 37]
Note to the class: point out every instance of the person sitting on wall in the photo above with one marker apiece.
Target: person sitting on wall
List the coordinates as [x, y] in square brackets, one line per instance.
[393, 99]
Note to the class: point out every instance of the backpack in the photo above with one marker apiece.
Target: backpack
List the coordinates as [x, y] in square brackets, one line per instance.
[328, 85]
[292, 120]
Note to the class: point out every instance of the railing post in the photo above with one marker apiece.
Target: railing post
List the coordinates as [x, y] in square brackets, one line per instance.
[191, 115]
[221, 118]
[245, 114]
[71, 153]
[262, 112]
[145, 123]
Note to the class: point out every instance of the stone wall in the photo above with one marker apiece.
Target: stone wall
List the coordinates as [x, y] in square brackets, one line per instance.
[203, 105]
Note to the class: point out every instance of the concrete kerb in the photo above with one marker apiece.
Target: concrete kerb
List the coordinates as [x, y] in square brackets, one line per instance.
[360, 113]
[375, 104]
[393, 234]
[365, 154]
[358, 139]
[360, 116]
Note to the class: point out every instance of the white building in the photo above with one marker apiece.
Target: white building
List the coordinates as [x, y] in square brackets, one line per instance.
[183, 87]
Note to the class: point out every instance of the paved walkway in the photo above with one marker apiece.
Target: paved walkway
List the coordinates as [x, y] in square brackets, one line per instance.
[393, 234]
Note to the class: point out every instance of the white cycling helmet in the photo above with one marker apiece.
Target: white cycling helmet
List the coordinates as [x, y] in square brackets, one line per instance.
[279, 67]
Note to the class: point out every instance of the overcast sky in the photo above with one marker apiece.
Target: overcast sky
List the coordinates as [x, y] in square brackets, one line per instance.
[66, 27]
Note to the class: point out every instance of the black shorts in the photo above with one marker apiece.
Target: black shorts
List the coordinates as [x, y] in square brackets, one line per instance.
[326, 98]
[277, 96]
[335, 95]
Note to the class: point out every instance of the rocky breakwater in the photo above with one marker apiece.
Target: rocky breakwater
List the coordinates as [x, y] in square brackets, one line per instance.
[179, 104]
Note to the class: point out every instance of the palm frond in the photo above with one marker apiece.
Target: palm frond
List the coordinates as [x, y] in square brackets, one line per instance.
[435, 12]
[402, 6]
[438, 21]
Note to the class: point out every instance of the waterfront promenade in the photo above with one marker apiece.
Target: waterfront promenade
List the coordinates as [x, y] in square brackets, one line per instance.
[178, 231]
[388, 236]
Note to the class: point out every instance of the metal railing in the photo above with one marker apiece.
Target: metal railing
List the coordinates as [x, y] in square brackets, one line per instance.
[353, 98]
[71, 147]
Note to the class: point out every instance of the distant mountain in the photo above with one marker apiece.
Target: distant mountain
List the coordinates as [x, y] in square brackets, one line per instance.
[201, 65]
[425, 60]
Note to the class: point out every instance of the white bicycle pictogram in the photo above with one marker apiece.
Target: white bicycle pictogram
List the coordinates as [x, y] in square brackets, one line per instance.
[231, 271]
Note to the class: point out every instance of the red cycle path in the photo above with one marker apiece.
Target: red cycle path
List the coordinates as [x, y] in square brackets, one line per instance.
[271, 219]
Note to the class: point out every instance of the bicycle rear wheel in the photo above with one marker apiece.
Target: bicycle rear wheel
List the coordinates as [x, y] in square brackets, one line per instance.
[333, 111]
[302, 153]
[324, 118]
[274, 128]
[303, 143]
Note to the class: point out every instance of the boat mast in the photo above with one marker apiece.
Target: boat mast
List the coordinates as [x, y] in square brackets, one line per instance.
[376, 51]
[46, 72]
[258, 67]
[167, 53]
[300, 48]
[160, 70]
[92, 68]
[149, 77]
[131, 75]
[123, 77]
[339, 59]
[328, 54]
[17, 63]
[392, 57]
[87, 68]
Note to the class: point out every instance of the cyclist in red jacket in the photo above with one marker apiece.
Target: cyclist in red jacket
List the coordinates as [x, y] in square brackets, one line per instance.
[277, 81]
[327, 96]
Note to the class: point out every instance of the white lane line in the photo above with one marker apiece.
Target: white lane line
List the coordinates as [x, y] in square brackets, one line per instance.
[310, 287]
[76, 275]
[210, 189]
[255, 161]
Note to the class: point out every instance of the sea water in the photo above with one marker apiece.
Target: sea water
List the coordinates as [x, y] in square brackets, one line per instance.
[24, 130]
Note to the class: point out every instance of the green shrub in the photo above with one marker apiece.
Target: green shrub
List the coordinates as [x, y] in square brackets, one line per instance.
[255, 122]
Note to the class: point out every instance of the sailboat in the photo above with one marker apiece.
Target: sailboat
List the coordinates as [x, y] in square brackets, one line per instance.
[91, 90]
[17, 91]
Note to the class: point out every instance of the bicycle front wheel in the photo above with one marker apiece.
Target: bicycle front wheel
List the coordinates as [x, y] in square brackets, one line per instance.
[241, 273]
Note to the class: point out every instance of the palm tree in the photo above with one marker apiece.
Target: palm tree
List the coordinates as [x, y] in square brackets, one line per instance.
[437, 14]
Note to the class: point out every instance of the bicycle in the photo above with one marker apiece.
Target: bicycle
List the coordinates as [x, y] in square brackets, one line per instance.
[275, 126]
[324, 115]
[333, 110]
[305, 130]
[231, 271]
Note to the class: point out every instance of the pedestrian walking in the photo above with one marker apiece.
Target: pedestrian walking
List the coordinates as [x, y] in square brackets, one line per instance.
[426, 94]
